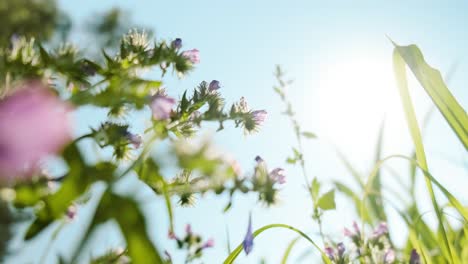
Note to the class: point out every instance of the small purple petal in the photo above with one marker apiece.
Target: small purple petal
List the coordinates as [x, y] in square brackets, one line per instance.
[389, 256]
[341, 249]
[356, 228]
[247, 244]
[134, 139]
[209, 243]
[330, 252]
[71, 212]
[258, 159]
[177, 43]
[278, 175]
[161, 106]
[347, 232]
[381, 230]
[259, 116]
[214, 85]
[188, 229]
[414, 259]
[192, 55]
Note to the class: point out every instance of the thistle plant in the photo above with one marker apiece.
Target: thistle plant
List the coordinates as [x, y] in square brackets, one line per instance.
[40, 87]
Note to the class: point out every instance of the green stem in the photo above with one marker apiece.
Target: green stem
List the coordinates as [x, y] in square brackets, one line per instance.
[230, 259]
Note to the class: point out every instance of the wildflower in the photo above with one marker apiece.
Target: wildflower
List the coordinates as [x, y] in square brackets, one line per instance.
[208, 244]
[161, 106]
[214, 85]
[259, 116]
[380, 230]
[356, 228]
[33, 124]
[134, 139]
[414, 259]
[341, 249]
[188, 229]
[171, 235]
[247, 244]
[259, 159]
[330, 252]
[389, 256]
[71, 212]
[177, 43]
[192, 55]
[277, 175]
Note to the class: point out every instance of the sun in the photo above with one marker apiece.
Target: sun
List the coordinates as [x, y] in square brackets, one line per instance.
[355, 94]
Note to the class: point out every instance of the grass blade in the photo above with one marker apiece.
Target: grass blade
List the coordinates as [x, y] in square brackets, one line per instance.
[431, 80]
[230, 259]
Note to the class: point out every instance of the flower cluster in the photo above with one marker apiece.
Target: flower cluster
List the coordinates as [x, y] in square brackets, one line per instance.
[191, 242]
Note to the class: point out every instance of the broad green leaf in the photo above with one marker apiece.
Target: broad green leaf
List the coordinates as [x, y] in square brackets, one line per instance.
[132, 224]
[431, 80]
[400, 75]
[327, 201]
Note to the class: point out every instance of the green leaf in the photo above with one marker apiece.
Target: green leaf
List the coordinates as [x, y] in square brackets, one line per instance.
[287, 252]
[126, 213]
[327, 201]
[234, 254]
[315, 188]
[431, 80]
[425, 75]
[307, 134]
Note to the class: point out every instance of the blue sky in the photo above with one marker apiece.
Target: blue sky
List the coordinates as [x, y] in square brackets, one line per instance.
[336, 52]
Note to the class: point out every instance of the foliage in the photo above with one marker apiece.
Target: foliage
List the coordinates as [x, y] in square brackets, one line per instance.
[114, 81]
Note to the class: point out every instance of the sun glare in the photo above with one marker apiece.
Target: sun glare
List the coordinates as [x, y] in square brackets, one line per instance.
[355, 95]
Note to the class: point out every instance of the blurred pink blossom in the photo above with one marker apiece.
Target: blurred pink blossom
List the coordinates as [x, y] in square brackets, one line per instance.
[33, 124]
[161, 106]
[193, 55]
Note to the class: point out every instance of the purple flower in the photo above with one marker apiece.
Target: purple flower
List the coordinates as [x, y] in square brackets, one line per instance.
[247, 244]
[341, 249]
[171, 235]
[161, 106]
[71, 212]
[188, 229]
[134, 139]
[356, 228]
[214, 85]
[330, 252]
[389, 256]
[209, 243]
[380, 230]
[258, 159]
[277, 175]
[192, 55]
[33, 125]
[414, 259]
[259, 116]
[348, 232]
[177, 43]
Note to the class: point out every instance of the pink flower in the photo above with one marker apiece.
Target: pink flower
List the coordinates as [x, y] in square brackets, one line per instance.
[188, 229]
[381, 230]
[209, 243]
[161, 106]
[192, 55]
[259, 116]
[33, 124]
[134, 139]
[71, 212]
[278, 175]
